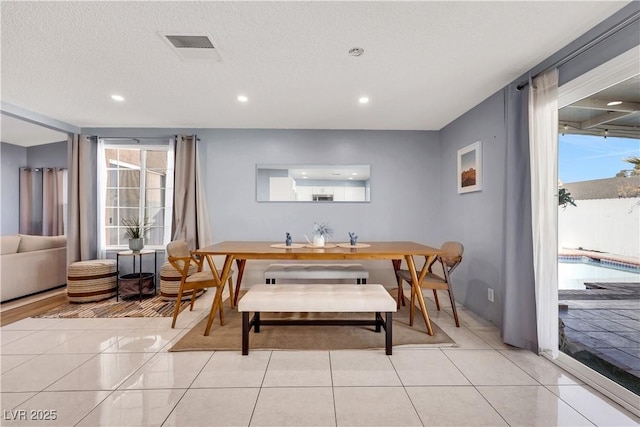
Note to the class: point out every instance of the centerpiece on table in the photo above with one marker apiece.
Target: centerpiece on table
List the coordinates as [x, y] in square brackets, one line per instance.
[320, 233]
[136, 229]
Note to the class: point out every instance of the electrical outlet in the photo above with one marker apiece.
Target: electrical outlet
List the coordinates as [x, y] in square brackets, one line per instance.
[490, 294]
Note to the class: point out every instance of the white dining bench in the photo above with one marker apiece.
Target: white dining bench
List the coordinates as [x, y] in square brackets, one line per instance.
[296, 271]
[317, 298]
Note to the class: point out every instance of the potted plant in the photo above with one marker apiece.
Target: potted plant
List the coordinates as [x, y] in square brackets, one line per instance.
[137, 229]
[320, 233]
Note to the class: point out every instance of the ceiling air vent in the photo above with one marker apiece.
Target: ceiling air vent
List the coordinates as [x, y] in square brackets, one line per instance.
[193, 47]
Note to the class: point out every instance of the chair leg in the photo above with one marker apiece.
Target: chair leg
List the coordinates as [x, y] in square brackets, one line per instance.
[435, 296]
[412, 307]
[193, 299]
[176, 310]
[453, 307]
[400, 294]
[231, 298]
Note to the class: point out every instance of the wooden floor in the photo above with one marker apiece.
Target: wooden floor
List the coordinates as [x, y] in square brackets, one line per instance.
[28, 309]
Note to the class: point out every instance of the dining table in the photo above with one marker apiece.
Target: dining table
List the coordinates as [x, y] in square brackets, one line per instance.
[395, 251]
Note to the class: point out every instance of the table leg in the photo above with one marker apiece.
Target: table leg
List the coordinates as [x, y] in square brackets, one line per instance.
[217, 299]
[240, 263]
[415, 283]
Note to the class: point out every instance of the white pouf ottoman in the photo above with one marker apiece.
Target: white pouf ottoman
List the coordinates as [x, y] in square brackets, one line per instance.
[93, 280]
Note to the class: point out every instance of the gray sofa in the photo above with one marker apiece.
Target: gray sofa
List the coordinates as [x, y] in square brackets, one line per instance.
[31, 264]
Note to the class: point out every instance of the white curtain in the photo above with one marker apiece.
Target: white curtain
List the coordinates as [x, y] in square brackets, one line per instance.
[543, 146]
[102, 199]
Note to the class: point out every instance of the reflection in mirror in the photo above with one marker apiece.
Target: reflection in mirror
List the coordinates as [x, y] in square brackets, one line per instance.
[313, 183]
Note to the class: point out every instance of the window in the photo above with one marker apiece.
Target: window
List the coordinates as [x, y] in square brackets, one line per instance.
[137, 183]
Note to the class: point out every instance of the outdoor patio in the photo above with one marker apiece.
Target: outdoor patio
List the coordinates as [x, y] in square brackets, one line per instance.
[602, 329]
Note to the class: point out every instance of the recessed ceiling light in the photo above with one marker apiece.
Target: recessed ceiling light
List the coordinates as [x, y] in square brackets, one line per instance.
[304, 177]
[356, 51]
[354, 173]
[612, 103]
[363, 100]
[303, 173]
[118, 98]
[242, 98]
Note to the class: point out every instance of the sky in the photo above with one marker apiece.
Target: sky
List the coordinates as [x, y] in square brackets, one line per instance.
[585, 157]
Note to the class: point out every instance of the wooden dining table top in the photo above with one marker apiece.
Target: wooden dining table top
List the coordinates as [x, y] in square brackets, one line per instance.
[264, 250]
[241, 251]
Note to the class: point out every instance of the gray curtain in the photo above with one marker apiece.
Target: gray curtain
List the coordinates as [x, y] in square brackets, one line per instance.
[82, 227]
[26, 194]
[519, 320]
[52, 202]
[184, 224]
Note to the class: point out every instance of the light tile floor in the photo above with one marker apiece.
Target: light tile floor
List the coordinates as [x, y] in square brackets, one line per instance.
[118, 372]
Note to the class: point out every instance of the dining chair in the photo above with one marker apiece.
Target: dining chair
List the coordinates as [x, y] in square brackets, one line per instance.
[437, 277]
[181, 258]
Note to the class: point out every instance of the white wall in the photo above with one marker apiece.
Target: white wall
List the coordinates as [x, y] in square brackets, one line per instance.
[608, 225]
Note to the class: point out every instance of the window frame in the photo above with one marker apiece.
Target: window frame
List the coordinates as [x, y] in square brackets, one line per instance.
[103, 171]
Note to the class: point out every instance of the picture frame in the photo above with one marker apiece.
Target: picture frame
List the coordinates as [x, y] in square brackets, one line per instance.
[470, 168]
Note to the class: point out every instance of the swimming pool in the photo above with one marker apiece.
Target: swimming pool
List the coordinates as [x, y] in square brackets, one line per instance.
[574, 271]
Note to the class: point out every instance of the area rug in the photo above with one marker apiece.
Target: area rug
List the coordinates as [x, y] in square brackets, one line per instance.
[229, 336]
[149, 307]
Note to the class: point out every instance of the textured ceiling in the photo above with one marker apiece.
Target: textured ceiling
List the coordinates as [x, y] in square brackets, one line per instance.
[425, 63]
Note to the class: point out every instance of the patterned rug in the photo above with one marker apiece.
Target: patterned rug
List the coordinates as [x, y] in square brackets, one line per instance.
[149, 307]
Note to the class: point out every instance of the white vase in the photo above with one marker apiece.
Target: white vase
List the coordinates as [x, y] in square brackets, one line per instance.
[318, 240]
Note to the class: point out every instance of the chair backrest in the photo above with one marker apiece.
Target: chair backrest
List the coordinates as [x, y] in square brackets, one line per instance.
[453, 254]
[178, 249]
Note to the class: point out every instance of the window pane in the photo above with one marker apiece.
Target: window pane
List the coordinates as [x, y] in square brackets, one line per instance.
[110, 217]
[129, 156]
[155, 215]
[112, 197]
[112, 178]
[111, 236]
[128, 214]
[129, 198]
[155, 236]
[154, 198]
[155, 179]
[111, 157]
[129, 178]
[156, 159]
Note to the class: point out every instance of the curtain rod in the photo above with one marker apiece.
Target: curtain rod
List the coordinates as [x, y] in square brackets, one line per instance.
[137, 138]
[579, 51]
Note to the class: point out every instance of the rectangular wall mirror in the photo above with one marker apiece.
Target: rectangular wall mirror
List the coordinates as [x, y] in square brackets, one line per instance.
[313, 183]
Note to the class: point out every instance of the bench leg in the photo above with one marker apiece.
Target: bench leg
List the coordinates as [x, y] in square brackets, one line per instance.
[256, 322]
[388, 329]
[364, 281]
[245, 333]
[378, 321]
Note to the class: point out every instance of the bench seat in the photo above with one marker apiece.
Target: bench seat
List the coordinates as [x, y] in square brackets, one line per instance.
[321, 298]
[298, 271]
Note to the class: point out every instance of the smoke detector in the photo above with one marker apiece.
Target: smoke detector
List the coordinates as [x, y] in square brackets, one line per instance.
[192, 47]
[356, 51]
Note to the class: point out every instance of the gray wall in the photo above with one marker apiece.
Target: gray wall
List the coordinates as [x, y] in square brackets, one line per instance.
[404, 184]
[476, 219]
[52, 155]
[13, 158]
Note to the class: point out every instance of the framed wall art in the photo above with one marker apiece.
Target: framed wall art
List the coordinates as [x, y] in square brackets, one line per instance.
[470, 168]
